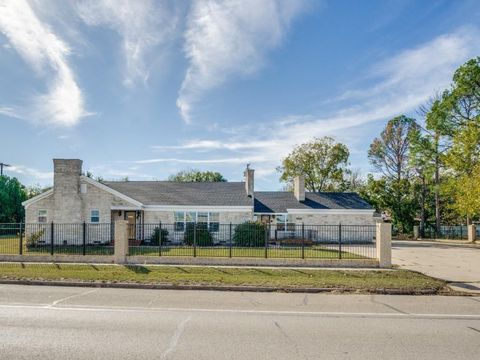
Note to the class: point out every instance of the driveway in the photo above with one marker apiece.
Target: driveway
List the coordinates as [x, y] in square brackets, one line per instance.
[459, 263]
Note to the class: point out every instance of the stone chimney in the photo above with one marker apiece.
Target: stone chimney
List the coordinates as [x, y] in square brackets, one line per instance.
[249, 181]
[299, 188]
[66, 190]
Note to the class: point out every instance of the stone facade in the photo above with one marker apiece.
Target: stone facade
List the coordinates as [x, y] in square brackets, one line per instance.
[333, 219]
[80, 210]
[74, 196]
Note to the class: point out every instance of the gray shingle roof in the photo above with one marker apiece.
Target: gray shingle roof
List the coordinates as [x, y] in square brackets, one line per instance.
[231, 194]
[184, 193]
[280, 201]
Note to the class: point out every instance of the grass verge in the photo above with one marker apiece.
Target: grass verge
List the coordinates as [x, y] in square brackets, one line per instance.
[357, 280]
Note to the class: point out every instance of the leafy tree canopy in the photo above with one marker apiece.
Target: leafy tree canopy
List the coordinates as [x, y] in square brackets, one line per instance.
[389, 153]
[322, 161]
[12, 194]
[193, 175]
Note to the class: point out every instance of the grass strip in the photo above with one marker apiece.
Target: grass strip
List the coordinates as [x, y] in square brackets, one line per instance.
[221, 276]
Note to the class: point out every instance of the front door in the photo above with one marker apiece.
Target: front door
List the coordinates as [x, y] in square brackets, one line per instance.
[131, 217]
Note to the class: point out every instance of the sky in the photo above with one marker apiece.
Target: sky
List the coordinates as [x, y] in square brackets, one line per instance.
[144, 89]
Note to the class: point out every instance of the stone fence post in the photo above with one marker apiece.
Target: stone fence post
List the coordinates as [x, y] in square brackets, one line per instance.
[121, 241]
[472, 233]
[384, 244]
[416, 232]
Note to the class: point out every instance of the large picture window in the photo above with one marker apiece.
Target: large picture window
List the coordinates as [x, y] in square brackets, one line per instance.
[208, 219]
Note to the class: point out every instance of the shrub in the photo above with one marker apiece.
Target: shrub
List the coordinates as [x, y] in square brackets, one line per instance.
[34, 238]
[203, 237]
[249, 234]
[155, 238]
[295, 242]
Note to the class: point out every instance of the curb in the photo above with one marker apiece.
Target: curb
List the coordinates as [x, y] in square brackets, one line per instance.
[159, 286]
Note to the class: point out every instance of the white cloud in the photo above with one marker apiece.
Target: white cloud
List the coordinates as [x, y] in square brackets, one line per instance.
[31, 172]
[226, 38]
[228, 160]
[143, 25]
[48, 55]
[398, 85]
[426, 68]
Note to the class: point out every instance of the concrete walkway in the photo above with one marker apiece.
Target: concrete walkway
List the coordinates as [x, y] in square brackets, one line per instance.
[457, 263]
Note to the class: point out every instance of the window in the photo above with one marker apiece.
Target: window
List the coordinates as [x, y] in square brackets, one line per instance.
[206, 219]
[281, 219]
[202, 218]
[190, 217]
[95, 216]
[214, 219]
[291, 227]
[179, 221]
[42, 216]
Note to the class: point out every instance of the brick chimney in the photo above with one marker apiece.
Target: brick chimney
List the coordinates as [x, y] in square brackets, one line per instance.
[299, 188]
[249, 181]
[66, 190]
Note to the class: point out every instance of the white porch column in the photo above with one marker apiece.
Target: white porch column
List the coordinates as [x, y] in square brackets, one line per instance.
[384, 244]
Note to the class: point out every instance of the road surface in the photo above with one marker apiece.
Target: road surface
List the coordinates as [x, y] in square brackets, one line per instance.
[83, 323]
[458, 263]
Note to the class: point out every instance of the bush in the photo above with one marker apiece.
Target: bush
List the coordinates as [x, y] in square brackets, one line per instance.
[203, 237]
[295, 242]
[34, 238]
[155, 238]
[249, 234]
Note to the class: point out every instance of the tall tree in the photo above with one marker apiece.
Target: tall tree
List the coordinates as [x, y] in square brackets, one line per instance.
[322, 161]
[193, 175]
[12, 194]
[460, 118]
[422, 153]
[389, 155]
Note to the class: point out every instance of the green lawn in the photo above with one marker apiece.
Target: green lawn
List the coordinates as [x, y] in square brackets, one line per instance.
[315, 252]
[185, 275]
[10, 246]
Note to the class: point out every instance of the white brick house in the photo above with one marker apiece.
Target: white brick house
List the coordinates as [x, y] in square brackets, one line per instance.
[75, 198]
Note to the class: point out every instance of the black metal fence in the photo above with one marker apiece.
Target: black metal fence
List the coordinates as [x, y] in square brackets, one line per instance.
[54, 238]
[253, 240]
[449, 232]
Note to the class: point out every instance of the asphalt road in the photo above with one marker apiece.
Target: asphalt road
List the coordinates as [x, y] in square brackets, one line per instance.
[84, 323]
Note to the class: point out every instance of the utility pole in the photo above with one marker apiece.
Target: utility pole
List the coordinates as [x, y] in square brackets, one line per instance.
[2, 165]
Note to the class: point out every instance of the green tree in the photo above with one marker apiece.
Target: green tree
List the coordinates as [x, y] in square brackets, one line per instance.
[322, 161]
[193, 175]
[458, 112]
[12, 194]
[465, 193]
[389, 155]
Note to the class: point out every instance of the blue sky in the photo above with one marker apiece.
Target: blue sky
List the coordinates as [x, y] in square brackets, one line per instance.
[146, 88]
